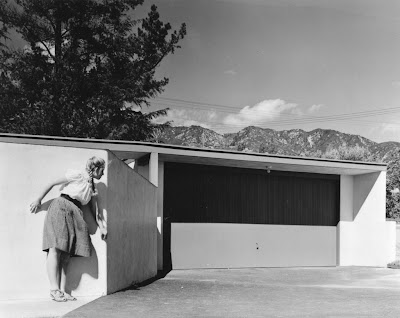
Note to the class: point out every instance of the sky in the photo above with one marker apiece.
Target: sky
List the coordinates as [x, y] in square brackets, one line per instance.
[284, 64]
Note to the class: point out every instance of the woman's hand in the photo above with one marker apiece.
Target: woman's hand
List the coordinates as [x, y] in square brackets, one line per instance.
[103, 232]
[35, 205]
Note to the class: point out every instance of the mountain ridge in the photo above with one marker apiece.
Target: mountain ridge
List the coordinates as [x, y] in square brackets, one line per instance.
[266, 140]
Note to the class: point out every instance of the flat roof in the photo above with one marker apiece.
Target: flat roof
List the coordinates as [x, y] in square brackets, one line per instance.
[174, 153]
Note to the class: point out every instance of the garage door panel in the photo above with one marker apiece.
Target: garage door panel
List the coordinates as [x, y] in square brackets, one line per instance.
[232, 217]
[251, 245]
[210, 194]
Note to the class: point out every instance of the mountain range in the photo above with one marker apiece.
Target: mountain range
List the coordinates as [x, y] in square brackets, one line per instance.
[294, 142]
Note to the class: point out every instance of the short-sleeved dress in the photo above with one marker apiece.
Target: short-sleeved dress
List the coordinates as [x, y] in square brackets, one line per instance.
[64, 226]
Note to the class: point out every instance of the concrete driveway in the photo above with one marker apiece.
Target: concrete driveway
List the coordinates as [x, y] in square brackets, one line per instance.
[258, 292]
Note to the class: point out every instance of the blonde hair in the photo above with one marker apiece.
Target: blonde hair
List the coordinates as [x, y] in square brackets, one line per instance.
[91, 164]
[95, 162]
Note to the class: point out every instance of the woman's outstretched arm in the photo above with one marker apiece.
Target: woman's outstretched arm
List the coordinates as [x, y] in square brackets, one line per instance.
[94, 208]
[35, 205]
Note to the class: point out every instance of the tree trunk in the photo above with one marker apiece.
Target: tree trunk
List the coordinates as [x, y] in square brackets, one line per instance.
[56, 122]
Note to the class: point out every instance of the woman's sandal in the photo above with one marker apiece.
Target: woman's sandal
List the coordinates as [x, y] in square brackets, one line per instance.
[69, 297]
[57, 295]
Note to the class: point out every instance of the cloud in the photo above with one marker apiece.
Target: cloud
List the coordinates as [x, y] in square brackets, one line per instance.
[230, 72]
[297, 111]
[183, 117]
[315, 108]
[232, 119]
[396, 83]
[390, 128]
[385, 132]
[260, 113]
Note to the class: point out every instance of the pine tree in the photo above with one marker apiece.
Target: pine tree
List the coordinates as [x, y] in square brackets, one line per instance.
[87, 71]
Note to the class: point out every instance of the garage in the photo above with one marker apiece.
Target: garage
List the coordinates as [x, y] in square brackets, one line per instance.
[230, 217]
[174, 207]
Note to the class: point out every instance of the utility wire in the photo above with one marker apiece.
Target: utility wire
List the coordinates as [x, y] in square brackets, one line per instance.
[231, 109]
[172, 103]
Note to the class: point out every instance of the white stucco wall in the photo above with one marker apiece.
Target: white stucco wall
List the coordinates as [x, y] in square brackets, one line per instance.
[397, 241]
[365, 238]
[132, 224]
[24, 171]
[157, 178]
[160, 215]
[251, 245]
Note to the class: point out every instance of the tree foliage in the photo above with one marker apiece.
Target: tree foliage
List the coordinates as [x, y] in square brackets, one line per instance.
[88, 68]
[355, 153]
[268, 148]
[3, 25]
[393, 184]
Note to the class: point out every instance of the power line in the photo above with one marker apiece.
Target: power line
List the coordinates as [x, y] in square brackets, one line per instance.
[185, 103]
[173, 103]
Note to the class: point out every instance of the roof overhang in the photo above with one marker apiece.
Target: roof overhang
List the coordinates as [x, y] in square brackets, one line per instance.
[172, 153]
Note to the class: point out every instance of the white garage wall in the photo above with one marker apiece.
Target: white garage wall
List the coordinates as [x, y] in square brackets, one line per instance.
[132, 224]
[251, 245]
[365, 238]
[127, 200]
[24, 172]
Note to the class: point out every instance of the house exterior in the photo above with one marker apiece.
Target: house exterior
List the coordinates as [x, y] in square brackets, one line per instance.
[186, 208]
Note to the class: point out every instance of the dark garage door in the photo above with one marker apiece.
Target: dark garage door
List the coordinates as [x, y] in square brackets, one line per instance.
[223, 217]
[215, 194]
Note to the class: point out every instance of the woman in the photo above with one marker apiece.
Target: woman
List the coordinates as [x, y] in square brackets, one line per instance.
[65, 232]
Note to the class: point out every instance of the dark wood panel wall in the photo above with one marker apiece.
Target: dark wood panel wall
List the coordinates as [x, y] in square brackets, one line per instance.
[214, 194]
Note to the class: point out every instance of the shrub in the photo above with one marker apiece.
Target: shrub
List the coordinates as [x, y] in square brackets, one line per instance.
[355, 153]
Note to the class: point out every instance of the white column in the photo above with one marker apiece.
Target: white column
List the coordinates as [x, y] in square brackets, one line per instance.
[346, 215]
[346, 198]
[153, 168]
[365, 238]
[160, 215]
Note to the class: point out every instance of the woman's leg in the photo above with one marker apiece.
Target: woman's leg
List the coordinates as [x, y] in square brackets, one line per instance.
[64, 260]
[53, 268]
